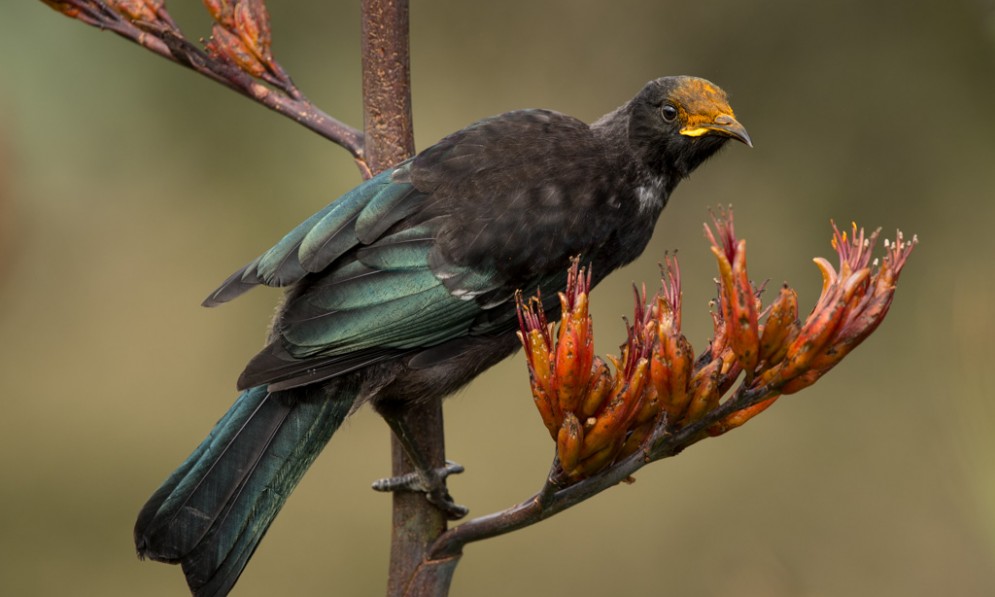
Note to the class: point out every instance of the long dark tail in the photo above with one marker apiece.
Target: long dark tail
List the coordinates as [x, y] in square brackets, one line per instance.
[212, 512]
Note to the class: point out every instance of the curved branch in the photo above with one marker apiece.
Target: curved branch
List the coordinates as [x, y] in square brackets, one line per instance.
[161, 36]
[555, 498]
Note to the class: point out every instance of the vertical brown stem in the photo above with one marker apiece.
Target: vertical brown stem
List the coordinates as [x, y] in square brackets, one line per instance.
[386, 83]
[389, 140]
[416, 523]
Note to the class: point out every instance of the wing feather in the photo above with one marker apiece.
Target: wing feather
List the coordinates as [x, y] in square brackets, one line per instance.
[430, 253]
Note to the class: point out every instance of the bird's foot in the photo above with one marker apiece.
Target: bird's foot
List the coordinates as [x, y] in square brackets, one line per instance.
[415, 481]
[430, 482]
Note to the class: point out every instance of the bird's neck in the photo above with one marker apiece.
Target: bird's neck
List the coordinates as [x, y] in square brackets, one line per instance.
[653, 175]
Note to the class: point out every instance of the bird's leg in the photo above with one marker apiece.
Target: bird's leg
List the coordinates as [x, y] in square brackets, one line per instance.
[426, 479]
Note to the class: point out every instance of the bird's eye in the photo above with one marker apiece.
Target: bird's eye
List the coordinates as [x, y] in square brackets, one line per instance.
[669, 112]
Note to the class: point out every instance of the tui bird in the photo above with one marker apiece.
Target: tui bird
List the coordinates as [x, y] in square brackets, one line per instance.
[402, 290]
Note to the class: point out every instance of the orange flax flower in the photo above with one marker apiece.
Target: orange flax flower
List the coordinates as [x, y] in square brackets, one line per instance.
[598, 415]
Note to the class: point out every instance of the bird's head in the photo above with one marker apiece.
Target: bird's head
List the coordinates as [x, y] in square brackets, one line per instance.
[676, 123]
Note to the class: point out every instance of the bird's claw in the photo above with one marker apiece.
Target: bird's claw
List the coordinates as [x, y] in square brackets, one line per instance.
[432, 483]
[444, 502]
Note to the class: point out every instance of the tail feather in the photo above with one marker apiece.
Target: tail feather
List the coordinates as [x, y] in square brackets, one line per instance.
[212, 512]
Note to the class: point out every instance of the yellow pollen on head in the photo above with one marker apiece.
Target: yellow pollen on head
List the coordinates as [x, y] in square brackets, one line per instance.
[700, 103]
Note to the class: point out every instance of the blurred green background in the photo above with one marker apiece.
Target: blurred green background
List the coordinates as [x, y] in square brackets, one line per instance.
[130, 187]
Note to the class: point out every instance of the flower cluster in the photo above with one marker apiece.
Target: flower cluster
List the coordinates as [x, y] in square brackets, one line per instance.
[241, 35]
[598, 415]
[586, 410]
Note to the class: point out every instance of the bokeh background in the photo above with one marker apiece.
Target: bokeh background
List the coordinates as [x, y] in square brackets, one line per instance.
[130, 187]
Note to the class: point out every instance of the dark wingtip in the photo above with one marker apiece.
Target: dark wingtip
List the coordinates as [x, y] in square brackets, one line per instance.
[235, 286]
[225, 294]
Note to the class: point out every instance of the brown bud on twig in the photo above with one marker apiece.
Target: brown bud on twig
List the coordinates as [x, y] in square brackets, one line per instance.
[70, 9]
[138, 10]
[225, 45]
[222, 11]
[252, 25]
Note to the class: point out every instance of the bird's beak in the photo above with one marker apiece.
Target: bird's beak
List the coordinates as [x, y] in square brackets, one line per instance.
[723, 124]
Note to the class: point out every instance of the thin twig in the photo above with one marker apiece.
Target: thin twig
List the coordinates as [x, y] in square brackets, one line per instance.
[166, 40]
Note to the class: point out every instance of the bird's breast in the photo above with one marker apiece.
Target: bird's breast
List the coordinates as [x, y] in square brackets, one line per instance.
[650, 196]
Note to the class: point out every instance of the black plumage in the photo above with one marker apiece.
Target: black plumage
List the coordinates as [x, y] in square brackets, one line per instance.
[402, 290]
